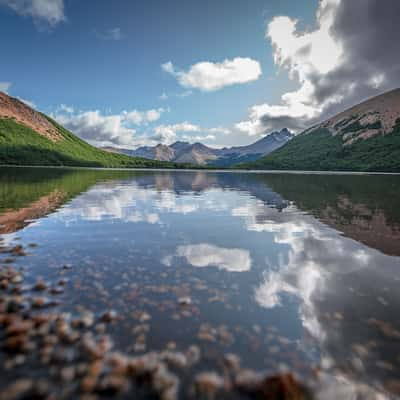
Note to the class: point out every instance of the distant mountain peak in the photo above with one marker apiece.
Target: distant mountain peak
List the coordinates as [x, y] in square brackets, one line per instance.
[199, 153]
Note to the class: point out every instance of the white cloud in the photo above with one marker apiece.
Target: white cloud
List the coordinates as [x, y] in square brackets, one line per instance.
[110, 34]
[154, 115]
[168, 67]
[304, 55]
[168, 133]
[108, 129]
[98, 129]
[130, 129]
[292, 109]
[208, 255]
[338, 64]
[48, 11]
[4, 86]
[219, 129]
[142, 117]
[66, 109]
[27, 102]
[198, 138]
[208, 76]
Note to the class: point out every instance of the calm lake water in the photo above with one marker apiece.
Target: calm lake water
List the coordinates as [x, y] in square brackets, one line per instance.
[290, 272]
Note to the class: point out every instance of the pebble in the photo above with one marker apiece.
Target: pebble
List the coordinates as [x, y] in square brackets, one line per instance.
[207, 384]
[185, 301]
[18, 389]
[108, 316]
[193, 355]
[174, 359]
[40, 285]
[232, 362]
[144, 317]
[17, 279]
[67, 374]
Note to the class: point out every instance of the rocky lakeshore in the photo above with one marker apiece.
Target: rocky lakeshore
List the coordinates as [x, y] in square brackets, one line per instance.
[49, 354]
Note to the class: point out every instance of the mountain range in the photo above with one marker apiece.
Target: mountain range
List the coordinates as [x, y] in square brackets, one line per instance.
[365, 137]
[198, 153]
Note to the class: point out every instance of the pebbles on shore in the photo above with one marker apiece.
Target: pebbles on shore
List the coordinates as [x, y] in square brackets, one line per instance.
[76, 357]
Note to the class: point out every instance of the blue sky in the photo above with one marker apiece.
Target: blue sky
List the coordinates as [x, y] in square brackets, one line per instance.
[96, 65]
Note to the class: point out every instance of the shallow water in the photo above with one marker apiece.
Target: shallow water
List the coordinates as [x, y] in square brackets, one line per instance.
[290, 272]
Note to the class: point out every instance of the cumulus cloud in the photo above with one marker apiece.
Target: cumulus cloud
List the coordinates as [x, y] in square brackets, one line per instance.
[4, 86]
[108, 129]
[50, 12]
[199, 138]
[208, 76]
[98, 129]
[168, 133]
[188, 132]
[337, 64]
[220, 129]
[110, 34]
[142, 117]
[130, 129]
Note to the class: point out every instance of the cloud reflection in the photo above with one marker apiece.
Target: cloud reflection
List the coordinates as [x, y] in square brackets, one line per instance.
[207, 255]
[338, 284]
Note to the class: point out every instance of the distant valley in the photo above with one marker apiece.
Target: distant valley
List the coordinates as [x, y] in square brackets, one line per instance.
[198, 153]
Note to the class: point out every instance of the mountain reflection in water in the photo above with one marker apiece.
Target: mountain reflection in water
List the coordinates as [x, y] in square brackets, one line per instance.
[302, 270]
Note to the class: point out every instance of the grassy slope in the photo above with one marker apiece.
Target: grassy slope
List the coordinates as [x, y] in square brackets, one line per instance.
[319, 150]
[20, 145]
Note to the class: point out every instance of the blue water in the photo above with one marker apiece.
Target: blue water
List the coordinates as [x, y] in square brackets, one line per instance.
[287, 271]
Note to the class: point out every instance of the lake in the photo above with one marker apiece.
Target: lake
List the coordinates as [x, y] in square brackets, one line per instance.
[199, 284]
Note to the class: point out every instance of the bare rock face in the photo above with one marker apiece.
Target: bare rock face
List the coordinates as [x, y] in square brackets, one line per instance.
[18, 111]
[375, 116]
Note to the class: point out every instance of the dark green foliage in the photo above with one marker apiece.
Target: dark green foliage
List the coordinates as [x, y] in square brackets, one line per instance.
[317, 193]
[344, 122]
[228, 161]
[20, 145]
[375, 125]
[320, 150]
[356, 126]
[353, 127]
[20, 188]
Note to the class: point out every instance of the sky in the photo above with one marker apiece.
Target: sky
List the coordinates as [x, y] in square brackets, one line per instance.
[224, 72]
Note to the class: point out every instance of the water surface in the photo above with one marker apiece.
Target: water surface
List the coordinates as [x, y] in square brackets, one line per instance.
[290, 272]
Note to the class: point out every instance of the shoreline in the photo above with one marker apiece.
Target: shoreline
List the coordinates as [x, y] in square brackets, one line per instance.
[217, 170]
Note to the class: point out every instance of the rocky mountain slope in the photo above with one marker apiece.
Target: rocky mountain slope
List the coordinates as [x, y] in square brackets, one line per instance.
[28, 137]
[365, 137]
[258, 149]
[22, 114]
[198, 153]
